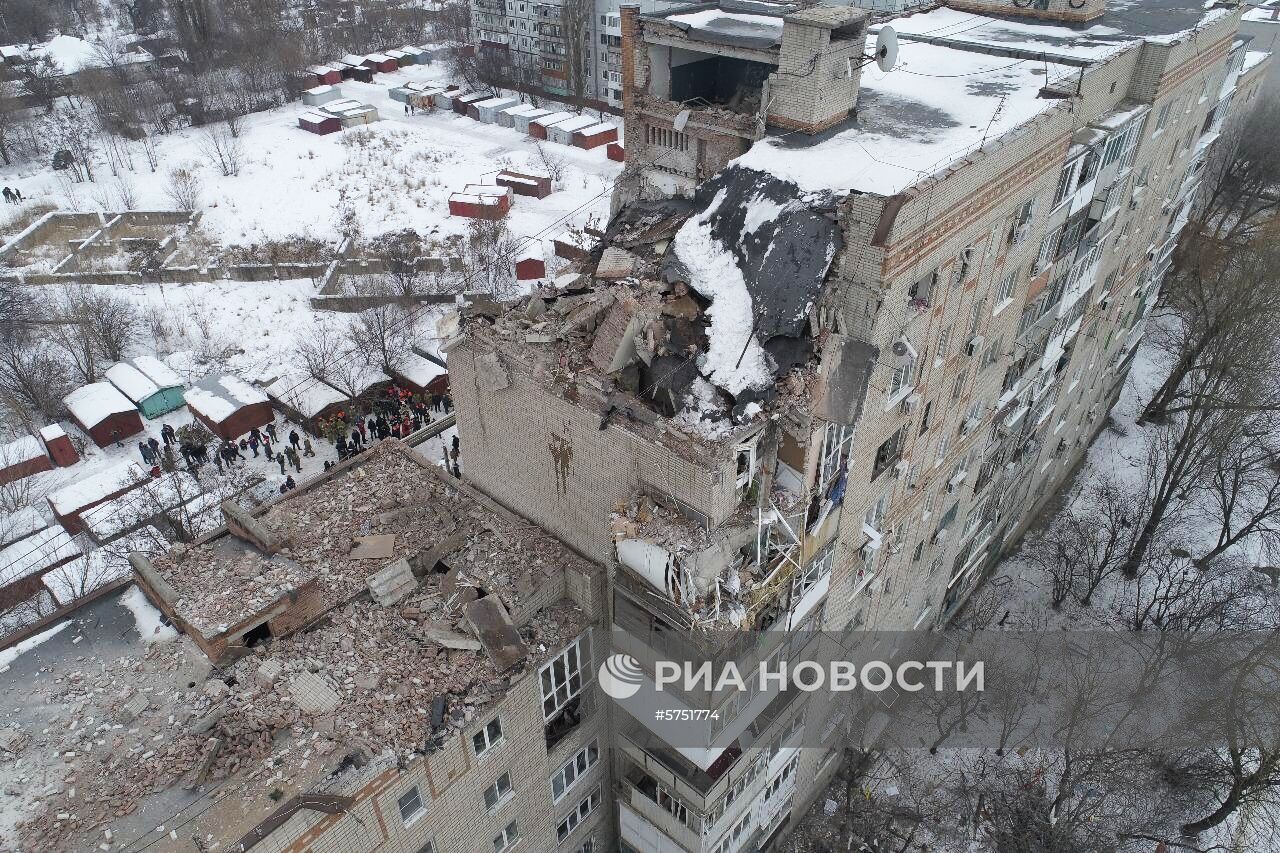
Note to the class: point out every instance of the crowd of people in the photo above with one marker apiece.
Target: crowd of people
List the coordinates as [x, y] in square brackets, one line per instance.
[397, 414]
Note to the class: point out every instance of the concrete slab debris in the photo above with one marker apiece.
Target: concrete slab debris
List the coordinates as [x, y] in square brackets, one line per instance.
[313, 694]
[379, 547]
[493, 626]
[392, 583]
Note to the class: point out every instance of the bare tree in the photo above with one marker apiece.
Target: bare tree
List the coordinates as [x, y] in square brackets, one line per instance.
[1243, 176]
[1219, 330]
[223, 147]
[490, 251]
[383, 334]
[1243, 494]
[34, 377]
[184, 187]
[575, 22]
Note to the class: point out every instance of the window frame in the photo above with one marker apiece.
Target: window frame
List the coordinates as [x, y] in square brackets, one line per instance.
[589, 755]
[501, 794]
[416, 793]
[579, 651]
[489, 741]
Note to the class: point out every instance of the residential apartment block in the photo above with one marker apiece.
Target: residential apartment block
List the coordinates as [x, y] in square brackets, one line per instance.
[846, 334]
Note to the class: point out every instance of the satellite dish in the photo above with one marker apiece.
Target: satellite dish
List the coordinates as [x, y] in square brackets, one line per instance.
[887, 48]
[900, 348]
[682, 118]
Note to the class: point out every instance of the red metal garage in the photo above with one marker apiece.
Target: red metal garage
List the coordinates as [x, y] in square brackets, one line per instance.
[596, 135]
[525, 183]
[319, 123]
[104, 413]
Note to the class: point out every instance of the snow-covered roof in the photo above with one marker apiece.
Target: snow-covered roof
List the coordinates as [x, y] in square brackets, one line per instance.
[488, 190]
[377, 57]
[495, 103]
[552, 118]
[602, 127]
[167, 492]
[157, 371]
[73, 54]
[470, 198]
[131, 381]
[20, 524]
[52, 431]
[321, 70]
[472, 98]
[737, 28]
[352, 59]
[575, 123]
[938, 104]
[92, 404]
[92, 489]
[21, 450]
[1264, 13]
[419, 370]
[304, 394]
[320, 90]
[35, 553]
[524, 110]
[314, 117]
[220, 397]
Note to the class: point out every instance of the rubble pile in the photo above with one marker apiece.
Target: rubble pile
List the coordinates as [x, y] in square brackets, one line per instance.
[705, 311]
[228, 583]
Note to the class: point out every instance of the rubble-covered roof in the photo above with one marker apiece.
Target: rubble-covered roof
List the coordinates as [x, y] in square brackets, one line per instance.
[387, 492]
[382, 681]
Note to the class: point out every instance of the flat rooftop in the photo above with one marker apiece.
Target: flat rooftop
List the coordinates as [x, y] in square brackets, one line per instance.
[961, 80]
[380, 682]
[936, 105]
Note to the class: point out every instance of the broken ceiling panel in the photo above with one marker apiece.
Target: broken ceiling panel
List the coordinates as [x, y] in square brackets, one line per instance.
[843, 379]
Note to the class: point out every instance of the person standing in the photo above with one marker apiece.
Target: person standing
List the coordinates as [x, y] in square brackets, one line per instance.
[306, 448]
[8, 195]
[356, 439]
[253, 445]
[266, 448]
[154, 444]
[294, 439]
[271, 431]
[147, 457]
[280, 459]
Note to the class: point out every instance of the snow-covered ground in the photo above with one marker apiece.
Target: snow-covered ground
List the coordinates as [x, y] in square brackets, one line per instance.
[394, 174]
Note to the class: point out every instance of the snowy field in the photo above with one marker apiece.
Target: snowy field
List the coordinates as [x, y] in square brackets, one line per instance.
[394, 174]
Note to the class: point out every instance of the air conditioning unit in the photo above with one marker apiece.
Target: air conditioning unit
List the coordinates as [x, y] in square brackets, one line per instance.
[900, 469]
[975, 345]
[910, 403]
[940, 535]
[1021, 233]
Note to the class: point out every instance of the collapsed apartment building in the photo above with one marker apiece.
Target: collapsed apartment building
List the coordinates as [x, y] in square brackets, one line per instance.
[382, 658]
[847, 333]
[844, 337]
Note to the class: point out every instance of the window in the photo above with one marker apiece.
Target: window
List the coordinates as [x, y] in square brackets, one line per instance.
[1004, 293]
[498, 793]
[1021, 226]
[734, 837]
[924, 418]
[943, 446]
[578, 815]
[1162, 117]
[957, 388]
[818, 568]
[562, 677]
[588, 846]
[963, 267]
[875, 515]
[921, 291]
[1066, 182]
[888, 452]
[992, 355]
[665, 137]
[836, 442]
[507, 839]
[411, 808]
[573, 769]
[900, 381]
[975, 316]
[944, 341]
[488, 737]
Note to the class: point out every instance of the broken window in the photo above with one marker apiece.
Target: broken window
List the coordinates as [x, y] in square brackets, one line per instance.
[963, 266]
[836, 443]
[888, 452]
[488, 737]
[745, 461]
[921, 291]
[562, 678]
[818, 568]
[410, 804]
[900, 381]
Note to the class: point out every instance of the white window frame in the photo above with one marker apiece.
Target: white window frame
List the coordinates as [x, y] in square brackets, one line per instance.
[571, 772]
[413, 794]
[507, 839]
[487, 738]
[560, 687]
[497, 794]
[819, 567]
[574, 819]
[837, 444]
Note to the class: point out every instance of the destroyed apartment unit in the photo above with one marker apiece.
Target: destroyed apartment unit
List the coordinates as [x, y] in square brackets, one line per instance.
[710, 419]
[370, 636]
[707, 79]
